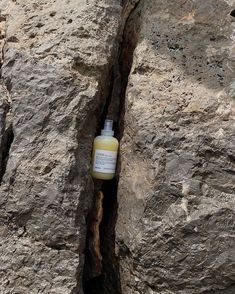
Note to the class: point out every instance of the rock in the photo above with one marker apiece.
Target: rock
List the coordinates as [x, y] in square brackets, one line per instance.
[176, 216]
[64, 67]
[47, 189]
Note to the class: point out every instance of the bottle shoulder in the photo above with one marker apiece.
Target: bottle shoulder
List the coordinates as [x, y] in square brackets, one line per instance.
[106, 139]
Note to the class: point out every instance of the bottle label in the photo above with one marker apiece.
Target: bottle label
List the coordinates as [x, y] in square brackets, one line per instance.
[105, 161]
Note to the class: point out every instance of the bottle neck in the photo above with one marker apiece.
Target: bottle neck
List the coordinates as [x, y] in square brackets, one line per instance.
[108, 133]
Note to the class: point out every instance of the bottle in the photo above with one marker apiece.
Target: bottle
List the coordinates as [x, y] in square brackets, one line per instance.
[104, 155]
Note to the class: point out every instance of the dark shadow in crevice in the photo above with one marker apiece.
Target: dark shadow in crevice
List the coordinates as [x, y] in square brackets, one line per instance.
[7, 140]
[232, 13]
[111, 275]
[128, 45]
[94, 286]
[109, 279]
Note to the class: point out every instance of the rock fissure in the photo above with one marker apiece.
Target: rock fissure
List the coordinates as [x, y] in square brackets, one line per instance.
[6, 143]
[101, 271]
[6, 130]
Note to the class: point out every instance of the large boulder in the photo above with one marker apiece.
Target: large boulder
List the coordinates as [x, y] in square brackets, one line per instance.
[176, 216]
[57, 58]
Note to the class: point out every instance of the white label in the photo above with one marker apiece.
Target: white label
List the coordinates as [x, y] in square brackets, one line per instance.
[105, 161]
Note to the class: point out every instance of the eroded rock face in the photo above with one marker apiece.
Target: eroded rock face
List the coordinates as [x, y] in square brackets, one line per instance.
[174, 69]
[175, 230]
[56, 64]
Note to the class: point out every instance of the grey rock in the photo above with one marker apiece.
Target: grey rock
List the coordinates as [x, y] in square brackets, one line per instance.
[176, 221]
[47, 189]
[176, 216]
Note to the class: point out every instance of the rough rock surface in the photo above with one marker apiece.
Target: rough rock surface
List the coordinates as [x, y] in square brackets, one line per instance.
[62, 64]
[175, 230]
[56, 62]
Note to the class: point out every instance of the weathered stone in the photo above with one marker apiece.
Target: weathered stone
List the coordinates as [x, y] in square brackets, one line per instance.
[176, 217]
[64, 67]
[56, 66]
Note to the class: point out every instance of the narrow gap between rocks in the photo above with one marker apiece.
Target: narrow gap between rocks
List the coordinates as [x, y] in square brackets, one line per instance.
[232, 13]
[101, 270]
[7, 135]
[7, 140]
[103, 274]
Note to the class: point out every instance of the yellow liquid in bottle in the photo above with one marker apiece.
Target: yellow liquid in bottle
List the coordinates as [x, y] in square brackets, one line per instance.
[104, 157]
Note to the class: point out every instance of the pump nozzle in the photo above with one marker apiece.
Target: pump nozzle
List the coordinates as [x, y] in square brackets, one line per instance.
[108, 125]
[108, 128]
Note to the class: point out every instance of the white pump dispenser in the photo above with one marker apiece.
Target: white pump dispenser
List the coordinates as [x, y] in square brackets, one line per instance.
[108, 128]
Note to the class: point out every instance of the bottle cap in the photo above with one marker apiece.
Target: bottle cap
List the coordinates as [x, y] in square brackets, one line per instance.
[108, 128]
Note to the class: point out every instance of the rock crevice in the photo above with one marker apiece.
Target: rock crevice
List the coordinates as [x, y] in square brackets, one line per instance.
[102, 276]
[6, 131]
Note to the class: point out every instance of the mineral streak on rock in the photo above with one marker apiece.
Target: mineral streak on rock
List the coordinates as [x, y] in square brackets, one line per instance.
[96, 224]
[94, 256]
